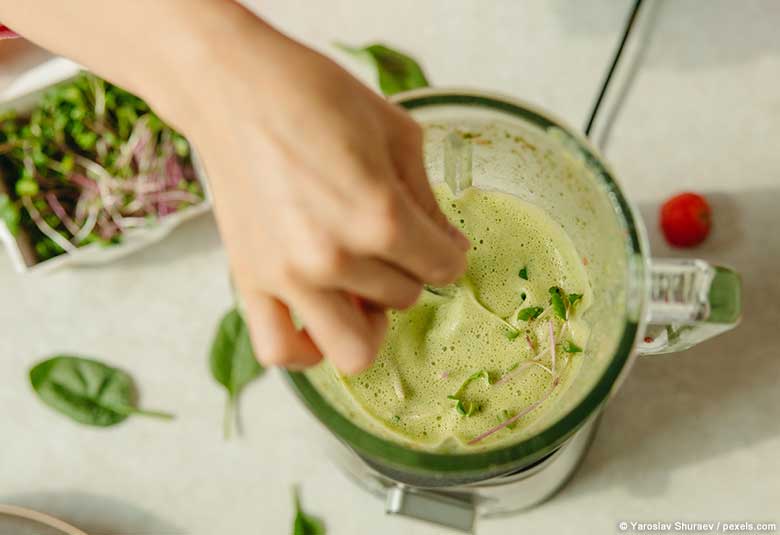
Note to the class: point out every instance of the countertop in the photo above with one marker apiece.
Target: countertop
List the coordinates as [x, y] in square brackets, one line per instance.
[693, 436]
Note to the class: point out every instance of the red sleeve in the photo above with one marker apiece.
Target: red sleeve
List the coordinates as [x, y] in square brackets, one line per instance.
[6, 33]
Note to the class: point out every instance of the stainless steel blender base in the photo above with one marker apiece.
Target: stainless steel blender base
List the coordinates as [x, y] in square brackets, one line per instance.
[458, 507]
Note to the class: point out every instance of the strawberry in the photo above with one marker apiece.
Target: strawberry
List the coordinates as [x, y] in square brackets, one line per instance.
[686, 219]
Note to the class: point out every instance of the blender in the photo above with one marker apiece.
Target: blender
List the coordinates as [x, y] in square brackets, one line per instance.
[641, 306]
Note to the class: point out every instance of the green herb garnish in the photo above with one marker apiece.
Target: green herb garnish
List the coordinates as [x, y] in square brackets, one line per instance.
[397, 72]
[573, 298]
[523, 296]
[529, 313]
[557, 302]
[232, 361]
[304, 524]
[512, 334]
[467, 408]
[473, 377]
[523, 273]
[571, 347]
[506, 416]
[87, 391]
[464, 409]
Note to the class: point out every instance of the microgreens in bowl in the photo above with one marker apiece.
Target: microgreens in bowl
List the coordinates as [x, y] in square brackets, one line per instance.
[88, 163]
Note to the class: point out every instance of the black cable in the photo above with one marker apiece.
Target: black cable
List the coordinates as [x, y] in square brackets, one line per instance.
[611, 71]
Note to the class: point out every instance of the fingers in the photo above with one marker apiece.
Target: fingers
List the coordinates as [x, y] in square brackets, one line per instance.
[407, 154]
[374, 280]
[276, 340]
[402, 234]
[348, 333]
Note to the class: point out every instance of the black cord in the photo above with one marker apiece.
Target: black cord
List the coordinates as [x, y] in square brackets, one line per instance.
[611, 71]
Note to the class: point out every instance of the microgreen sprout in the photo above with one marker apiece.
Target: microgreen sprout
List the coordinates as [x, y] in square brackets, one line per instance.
[90, 162]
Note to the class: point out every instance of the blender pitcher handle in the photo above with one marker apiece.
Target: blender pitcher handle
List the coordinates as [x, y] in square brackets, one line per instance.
[690, 301]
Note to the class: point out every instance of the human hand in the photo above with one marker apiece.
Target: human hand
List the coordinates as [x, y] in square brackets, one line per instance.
[321, 198]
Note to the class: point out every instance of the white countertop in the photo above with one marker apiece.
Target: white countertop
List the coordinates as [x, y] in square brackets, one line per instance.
[694, 436]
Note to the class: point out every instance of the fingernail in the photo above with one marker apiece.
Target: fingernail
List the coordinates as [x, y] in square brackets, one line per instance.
[462, 241]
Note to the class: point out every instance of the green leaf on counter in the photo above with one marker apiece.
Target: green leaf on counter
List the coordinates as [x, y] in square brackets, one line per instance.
[304, 524]
[529, 313]
[87, 391]
[397, 72]
[9, 214]
[232, 361]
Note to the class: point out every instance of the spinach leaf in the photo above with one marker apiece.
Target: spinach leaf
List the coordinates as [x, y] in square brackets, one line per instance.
[86, 390]
[397, 71]
[232, 361]
[9, 213]
[304, 524]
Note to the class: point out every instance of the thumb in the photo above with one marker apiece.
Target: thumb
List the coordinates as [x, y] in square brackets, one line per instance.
[407, 155]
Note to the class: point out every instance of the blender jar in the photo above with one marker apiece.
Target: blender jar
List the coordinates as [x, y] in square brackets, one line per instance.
[640, 306]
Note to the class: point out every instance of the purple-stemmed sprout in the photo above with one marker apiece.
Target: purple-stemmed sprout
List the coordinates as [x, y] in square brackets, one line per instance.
[93, 161]
[516, 417]
[552, 345]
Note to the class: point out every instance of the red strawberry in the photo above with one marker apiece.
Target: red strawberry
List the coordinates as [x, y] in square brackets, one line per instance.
[686, 219]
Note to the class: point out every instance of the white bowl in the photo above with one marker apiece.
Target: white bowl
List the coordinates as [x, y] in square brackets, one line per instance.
[20, 521]
[24, 98]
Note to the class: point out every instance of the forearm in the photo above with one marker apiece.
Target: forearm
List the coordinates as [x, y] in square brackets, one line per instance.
[155, 48]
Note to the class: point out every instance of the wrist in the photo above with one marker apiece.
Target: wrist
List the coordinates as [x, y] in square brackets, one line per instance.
[194, 59]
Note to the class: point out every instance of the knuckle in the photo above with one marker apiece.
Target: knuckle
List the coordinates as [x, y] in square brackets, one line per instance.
[325, 262]
[287, 275]
[388, 219]
[276, 351]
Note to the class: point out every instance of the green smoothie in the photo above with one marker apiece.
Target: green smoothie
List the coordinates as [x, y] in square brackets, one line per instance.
[474, 365]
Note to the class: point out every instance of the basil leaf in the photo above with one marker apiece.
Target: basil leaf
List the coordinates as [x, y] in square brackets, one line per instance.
[397, 71]
[556, 300]
[86, 390]
[304, 524]
[529, 313]
[523, 273]
[571, 347]
[9, 213]
[232, 361]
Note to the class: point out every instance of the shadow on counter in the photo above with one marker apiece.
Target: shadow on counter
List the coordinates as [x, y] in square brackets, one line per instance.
[713, 399]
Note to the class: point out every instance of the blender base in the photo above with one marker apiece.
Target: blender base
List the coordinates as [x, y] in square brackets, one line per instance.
[457, 507]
